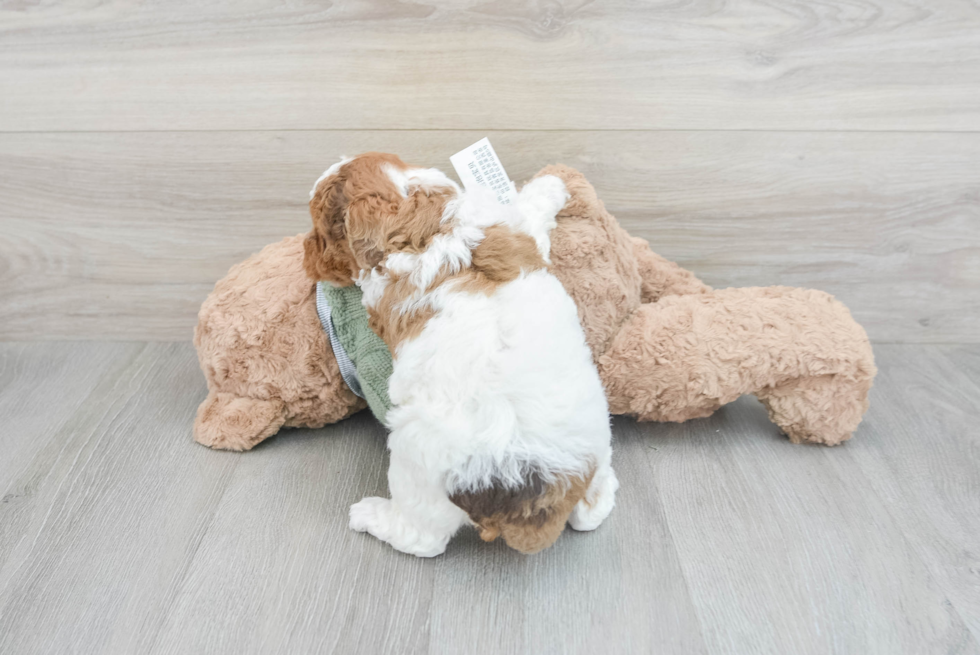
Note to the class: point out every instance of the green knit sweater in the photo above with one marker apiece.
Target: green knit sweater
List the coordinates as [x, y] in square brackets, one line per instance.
[369, 355]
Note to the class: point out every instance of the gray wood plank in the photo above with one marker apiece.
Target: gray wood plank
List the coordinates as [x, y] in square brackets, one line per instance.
[123, 235]
[619, 589]
[788, 549]
[725, 539]
[500, 64]
[279, 571]
[923, 460]
[115, 516]
[41, 387]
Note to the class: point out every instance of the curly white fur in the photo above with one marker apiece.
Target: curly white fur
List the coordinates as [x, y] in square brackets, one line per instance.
[493, 387]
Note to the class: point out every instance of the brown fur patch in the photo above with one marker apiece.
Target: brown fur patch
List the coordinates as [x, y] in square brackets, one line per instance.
[359, 216]
[504, 253]
[390, 323]
[531, 517]
[358, 191]
[499, 258]
[418, 220]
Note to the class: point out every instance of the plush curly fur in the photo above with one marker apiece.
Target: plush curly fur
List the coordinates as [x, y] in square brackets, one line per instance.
[668, 347]
[499, 417]
[264, 353]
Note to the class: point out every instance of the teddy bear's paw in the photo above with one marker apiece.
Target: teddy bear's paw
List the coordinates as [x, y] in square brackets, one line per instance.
[228, 422]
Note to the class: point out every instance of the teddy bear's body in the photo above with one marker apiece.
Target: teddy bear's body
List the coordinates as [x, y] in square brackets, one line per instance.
[265, 355]
[668, 347]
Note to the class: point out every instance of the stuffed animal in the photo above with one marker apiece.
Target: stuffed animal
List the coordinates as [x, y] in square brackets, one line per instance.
[667, 346]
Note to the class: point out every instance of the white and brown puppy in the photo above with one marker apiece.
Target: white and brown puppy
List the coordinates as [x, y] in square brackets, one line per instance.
[499, 416]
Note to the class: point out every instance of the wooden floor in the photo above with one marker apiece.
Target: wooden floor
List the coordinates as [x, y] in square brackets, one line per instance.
[119, 534]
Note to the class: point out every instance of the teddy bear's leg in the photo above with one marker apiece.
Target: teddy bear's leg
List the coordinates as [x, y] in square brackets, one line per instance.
[821, 409]
[799, 350]
[661, 277]
[228, 422]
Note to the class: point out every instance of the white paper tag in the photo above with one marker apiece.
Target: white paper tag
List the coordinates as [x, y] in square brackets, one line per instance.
[479, 166]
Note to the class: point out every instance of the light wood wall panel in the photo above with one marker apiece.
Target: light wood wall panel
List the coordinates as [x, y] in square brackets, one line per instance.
[497, 64]
[122, 235]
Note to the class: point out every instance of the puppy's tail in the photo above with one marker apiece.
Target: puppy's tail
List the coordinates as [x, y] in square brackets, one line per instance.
[530, 517]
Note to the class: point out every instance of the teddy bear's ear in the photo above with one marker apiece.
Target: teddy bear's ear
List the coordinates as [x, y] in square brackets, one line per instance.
[327, 254]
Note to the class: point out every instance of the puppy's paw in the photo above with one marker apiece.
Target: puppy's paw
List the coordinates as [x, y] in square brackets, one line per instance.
[371, 515]
[591, 511]
[380, 518]
[543, 197]
[538, 203]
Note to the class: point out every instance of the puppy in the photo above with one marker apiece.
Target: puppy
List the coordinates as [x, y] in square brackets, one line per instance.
[499, 417]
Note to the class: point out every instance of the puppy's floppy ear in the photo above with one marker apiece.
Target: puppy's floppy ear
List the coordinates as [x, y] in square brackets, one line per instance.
[354, 209]
[369, 216]
[326, 252]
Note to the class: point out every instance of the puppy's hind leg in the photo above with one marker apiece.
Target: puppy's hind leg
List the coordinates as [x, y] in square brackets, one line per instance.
[599, 500]
[419, 518]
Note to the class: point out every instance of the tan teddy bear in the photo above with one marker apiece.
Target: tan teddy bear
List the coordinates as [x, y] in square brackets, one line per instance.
[668, 347]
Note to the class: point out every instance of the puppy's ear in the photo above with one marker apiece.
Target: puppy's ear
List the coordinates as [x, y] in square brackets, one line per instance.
[369, 218]
[355, 209]
[327, 254]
